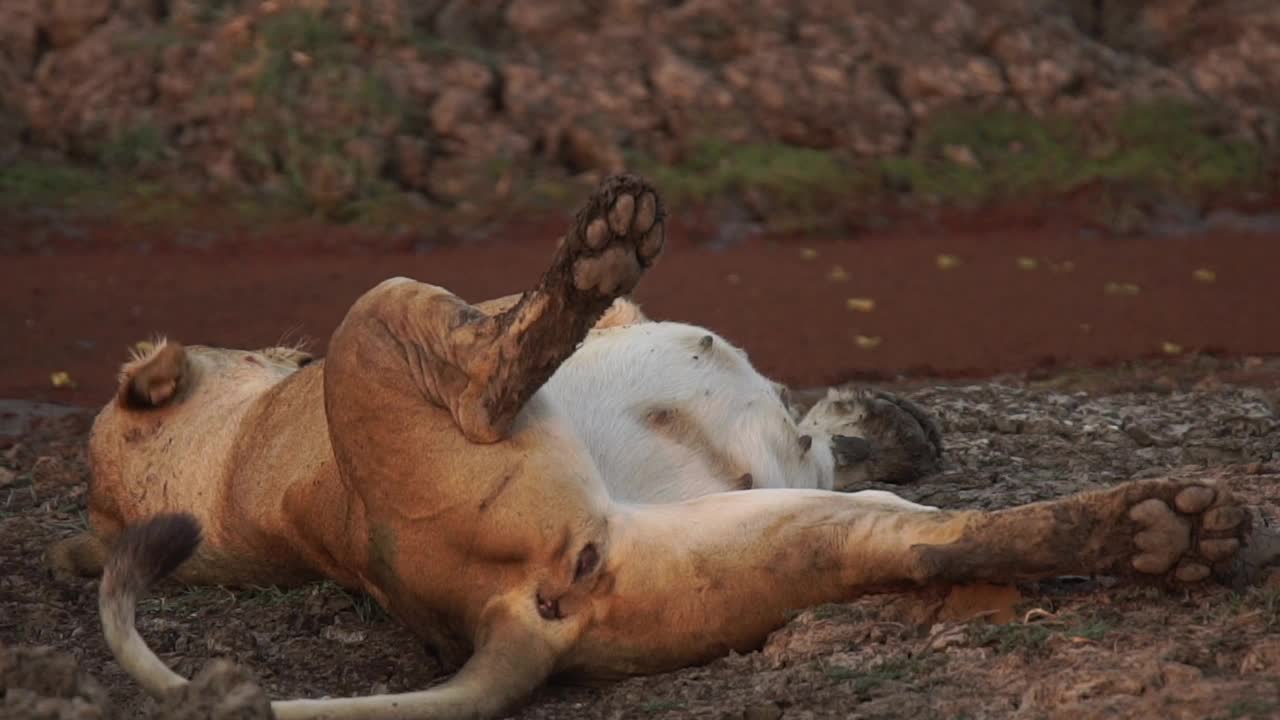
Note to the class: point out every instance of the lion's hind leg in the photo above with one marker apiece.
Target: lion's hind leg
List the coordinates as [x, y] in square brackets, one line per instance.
[484, 367]
[723, 571]
[1176, 530]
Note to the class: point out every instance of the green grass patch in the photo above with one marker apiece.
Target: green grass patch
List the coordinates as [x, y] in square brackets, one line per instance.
[1033, 638]
[26, 183]
[134, 148]
[1252, 708]
[793, 187]
[715, 167]
[1161, 147]
[654, 707]
[901, 670]
[970, 158]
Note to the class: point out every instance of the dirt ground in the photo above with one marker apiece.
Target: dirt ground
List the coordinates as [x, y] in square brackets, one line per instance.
[1017, 297]
[1069, 410]
[1075, 648]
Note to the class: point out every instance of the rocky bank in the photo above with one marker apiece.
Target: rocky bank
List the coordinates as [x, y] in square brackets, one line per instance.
[454, 101]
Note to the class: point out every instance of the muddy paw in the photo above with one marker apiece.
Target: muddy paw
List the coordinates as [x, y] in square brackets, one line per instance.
[875, 436]
[617, 235]
[1186, 530]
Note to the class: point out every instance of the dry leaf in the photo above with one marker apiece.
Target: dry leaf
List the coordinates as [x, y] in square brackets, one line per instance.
[837, 274]
[1122, 288]
[808, 253]
[946, 262]
[860, 304]
[1027, 263]
[1204, 275]
[61, 379]
[1170, 348]
[867, 342]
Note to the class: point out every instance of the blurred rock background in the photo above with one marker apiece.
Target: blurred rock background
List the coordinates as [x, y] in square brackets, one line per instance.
[796, 115]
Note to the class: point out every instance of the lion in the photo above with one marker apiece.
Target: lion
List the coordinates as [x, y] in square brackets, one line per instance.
[551, 485]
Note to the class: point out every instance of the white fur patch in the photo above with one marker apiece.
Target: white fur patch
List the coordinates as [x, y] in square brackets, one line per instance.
[611, 386]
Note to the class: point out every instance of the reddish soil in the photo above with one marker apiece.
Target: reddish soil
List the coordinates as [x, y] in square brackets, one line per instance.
[77, 311]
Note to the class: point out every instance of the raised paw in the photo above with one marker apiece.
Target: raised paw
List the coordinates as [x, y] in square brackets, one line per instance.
[875, 436]
[1185, 530]
[616, 236]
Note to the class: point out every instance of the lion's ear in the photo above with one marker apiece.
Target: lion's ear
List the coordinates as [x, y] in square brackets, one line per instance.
[152, 378]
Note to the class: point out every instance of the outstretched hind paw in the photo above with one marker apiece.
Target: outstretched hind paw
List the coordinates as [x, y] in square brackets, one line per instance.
[1185, 530]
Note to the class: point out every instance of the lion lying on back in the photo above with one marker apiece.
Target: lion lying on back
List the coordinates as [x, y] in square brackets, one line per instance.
[549, 485]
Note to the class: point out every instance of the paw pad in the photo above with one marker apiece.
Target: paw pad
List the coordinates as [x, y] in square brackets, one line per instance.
[619, 234]
[1191, 529]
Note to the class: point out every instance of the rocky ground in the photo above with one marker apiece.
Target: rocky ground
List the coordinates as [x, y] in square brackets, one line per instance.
[1070, 648]
[796, 114]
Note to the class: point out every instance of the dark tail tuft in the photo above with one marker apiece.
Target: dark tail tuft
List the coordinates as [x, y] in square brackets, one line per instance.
[148, 552]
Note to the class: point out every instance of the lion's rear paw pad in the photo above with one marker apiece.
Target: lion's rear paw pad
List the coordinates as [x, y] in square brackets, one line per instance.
[1186, 530]
[618, 234]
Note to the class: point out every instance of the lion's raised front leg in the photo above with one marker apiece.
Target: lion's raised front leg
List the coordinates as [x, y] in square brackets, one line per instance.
[721, 572]
[484, 367]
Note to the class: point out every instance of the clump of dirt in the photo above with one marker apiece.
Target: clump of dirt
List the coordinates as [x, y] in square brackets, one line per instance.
[1072, 647]
[41, 683]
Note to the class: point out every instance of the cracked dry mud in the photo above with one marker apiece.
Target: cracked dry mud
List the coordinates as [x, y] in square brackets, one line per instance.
[1077, 647]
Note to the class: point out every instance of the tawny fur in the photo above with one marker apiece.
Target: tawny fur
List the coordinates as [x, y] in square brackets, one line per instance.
[535, 498]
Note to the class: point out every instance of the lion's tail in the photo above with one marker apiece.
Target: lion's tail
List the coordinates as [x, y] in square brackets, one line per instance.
[143, 555]
[153, 375]
[511, 661]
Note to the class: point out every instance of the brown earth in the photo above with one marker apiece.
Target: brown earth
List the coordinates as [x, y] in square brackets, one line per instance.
[1070, 648]
[1089, 299]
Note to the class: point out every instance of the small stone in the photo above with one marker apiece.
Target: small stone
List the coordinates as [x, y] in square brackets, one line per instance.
[762, 712]
[343, 635]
